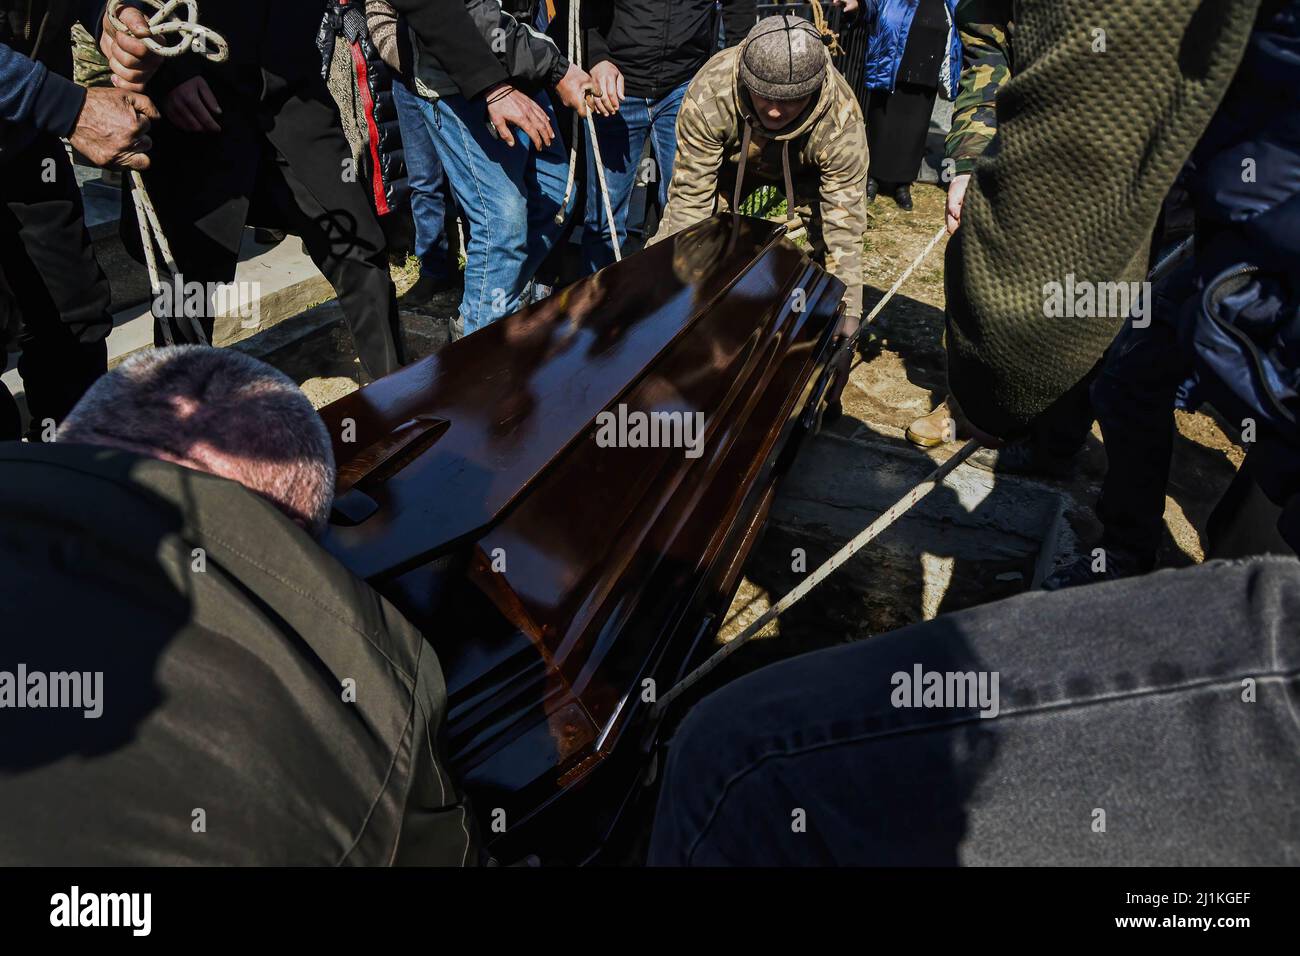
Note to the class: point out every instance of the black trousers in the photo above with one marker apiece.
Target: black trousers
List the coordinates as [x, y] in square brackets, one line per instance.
[1134, 396]
[281, 159]
[57, 285]
[897, 124]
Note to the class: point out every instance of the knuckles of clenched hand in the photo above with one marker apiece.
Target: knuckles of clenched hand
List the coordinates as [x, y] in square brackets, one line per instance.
[113, 127]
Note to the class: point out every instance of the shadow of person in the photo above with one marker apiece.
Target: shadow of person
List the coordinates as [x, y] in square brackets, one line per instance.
[94, 593]
[832, 758]
[913, 330]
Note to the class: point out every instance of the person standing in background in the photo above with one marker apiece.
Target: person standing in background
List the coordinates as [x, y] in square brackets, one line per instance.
[985, 28]
[425, 177]
[430, 202]
[259, 139]
[486, 103]
[642, 55]
[914, 52]
[54, 296]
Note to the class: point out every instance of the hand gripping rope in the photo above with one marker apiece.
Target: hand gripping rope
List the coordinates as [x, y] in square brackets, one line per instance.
[575, 57]
[191, 37]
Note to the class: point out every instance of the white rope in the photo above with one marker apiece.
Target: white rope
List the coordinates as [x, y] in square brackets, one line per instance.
[898, 283]
[864, 537]
[191, 35]
[574, 51]
[884, 300]
[575, 57]
[604, 190]
[194, 38]
[859, 541]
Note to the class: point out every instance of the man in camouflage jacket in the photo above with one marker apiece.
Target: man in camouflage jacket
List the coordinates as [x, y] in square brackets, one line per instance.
[985, 27]
[778, 94]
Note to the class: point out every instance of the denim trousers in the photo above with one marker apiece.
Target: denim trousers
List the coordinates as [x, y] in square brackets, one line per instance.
[428, 185]
[509, 195]
[622, 138]
[1150, 720]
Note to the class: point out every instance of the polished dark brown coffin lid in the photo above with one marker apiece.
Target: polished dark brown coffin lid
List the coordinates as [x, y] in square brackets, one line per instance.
[561, 581]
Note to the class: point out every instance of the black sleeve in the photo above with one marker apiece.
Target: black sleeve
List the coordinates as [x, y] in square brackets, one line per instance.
[595, 30]
[91, 15]
[738, 18]
[445, 29]
[173, 73]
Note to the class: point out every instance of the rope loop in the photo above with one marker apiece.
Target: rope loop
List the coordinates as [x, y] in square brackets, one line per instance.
[829, 36]
[178, 18]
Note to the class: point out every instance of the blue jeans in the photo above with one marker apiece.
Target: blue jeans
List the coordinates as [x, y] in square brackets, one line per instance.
[622, 138]
[427, 181]
[1128, 715]
[509, 196]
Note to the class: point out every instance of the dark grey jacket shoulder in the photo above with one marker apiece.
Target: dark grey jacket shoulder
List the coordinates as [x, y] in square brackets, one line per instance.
[258, 704]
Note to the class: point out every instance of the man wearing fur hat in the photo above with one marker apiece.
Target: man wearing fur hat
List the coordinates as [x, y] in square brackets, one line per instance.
[775, 112]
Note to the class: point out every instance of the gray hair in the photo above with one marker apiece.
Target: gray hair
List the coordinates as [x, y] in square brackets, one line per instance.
[217, 411]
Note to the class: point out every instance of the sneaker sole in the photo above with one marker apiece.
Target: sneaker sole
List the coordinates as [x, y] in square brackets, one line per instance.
[922, 442]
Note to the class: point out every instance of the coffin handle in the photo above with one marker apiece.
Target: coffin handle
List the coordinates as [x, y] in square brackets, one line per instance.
[390, 453]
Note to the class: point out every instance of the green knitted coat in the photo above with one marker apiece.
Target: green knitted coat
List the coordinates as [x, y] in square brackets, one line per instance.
[1093, 128]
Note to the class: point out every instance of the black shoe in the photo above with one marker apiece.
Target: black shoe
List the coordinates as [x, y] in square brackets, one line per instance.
[1100, 565]
[903, 196]
[1023, 459]
[873, 189]
[425, 288]
[269, 237]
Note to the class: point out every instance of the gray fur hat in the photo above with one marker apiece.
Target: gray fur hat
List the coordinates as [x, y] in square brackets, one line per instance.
[783, 58]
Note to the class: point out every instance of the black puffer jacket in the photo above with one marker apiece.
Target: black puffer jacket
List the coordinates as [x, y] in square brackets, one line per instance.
[346, 20]
[1244, 326]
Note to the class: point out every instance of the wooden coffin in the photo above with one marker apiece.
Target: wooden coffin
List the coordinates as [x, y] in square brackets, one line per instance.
[562, 574]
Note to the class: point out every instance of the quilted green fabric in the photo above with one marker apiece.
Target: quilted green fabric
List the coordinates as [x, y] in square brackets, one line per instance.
[1089, 142]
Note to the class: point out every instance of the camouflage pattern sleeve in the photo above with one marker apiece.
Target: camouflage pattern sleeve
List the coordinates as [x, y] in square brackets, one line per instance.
[843, 164]
[706, 116]
[985, 26]
[90, 66]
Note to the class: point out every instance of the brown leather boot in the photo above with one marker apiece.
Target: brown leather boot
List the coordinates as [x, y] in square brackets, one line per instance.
[937, 428]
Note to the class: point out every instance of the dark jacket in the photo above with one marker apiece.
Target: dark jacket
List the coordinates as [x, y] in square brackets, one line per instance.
[891, 26]
[1244, 325]
[37, 94]
[267, 52]
[258, 704]
[345, 20]
[530, 59]
[660, 44]
[446, 30]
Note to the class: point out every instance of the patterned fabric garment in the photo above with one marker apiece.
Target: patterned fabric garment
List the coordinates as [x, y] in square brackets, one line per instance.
[986, 27]
[89, 65]
[1021, 230]
[828, 164]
